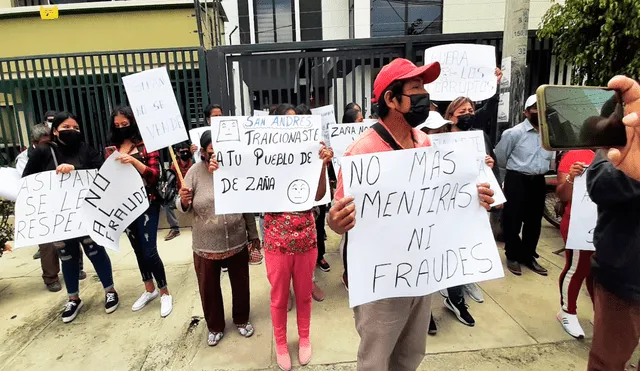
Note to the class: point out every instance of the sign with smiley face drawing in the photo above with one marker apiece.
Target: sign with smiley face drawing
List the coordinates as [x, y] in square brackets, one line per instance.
[266, 163]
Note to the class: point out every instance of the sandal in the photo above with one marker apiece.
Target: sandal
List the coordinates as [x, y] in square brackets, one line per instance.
[245, 330]
[214, 338]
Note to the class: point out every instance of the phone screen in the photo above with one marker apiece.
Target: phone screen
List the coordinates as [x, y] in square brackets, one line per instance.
[577, 117]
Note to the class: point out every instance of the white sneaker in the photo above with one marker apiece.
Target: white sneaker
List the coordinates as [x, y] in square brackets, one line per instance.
[144, 299]
[570, 324]
[166, 305]
[474, 292]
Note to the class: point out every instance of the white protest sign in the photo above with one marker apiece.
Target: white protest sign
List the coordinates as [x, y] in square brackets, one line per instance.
[584, 216]
[10, 184]
[505, 82]
[503, 107]
[328, 118]
[194, 136]
[410, 208]
[111, 204]
[467, 70]
[260, 113]
[267, 163]
[342, 135]
[474, 140]
[48, 207]
[155, 107]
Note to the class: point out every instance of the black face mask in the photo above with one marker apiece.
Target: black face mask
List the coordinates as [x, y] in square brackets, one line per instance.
[466, 122]
[123, 133]
[184, 155]
[419, 110]
[534, 119]
[70, 138]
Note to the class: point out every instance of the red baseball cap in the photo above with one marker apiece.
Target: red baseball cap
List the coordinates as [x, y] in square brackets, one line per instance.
[402, 69]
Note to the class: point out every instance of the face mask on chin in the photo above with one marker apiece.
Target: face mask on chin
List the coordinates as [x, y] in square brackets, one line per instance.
[419, 111]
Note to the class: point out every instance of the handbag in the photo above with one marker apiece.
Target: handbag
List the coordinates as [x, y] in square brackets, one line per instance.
[167, 187]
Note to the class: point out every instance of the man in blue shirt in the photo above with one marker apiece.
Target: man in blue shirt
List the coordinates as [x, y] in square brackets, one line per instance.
[523, 163]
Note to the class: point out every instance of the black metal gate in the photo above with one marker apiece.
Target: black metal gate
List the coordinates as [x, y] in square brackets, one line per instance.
[245, 78]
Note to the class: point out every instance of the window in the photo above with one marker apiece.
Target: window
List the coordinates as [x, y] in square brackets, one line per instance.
[274, 20]
[405, 17]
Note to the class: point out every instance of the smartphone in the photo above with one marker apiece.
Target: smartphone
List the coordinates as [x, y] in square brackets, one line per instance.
[109, 151]
[580, 117]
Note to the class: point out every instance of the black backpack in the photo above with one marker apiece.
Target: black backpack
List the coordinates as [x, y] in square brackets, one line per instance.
[168, 187]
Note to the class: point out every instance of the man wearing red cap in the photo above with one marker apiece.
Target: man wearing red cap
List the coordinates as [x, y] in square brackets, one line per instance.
[393, 332]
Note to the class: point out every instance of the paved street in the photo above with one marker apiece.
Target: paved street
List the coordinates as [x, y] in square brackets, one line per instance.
[516, 327]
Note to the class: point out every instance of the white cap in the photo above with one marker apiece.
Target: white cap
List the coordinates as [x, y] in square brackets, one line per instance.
[434, 121]
[530, 101]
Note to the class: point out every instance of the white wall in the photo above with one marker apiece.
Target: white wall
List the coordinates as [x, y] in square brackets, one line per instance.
[335, 19]
[485, 15]
[362, 19]
[364, 102]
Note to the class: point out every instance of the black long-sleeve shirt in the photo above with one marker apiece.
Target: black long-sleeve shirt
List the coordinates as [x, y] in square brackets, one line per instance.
[84, 157]
[616, 262]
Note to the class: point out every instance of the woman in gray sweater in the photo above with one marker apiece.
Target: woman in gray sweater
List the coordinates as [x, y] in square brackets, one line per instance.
[218, 240]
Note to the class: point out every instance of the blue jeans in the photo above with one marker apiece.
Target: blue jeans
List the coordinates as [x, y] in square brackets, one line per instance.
[69, 253]
[143, 235]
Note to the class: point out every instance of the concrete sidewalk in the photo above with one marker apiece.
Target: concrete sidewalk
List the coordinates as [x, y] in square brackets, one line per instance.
[515, 327]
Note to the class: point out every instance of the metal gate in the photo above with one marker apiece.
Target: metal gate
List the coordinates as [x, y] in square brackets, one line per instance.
[245, 78]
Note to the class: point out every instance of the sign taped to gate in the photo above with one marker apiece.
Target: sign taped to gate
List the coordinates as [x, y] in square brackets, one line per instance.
[474, 140]
[155, 107]
[467, 70]
[267, 163]
[584, 216]
[48, 207]
[424, 196]
[111, 205]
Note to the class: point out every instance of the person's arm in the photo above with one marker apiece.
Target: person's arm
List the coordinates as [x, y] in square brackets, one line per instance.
[608, 186]
[252, 229]
[37, 161]
[485, 113]
[95, 158]
[151, 170]
[504, 148]
[322, 184]
[189, 185]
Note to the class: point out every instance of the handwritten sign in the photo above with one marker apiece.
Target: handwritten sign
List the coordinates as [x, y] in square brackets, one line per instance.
[48, 207]
[267, 163]
[194, 136]
[410, 208]
[343, 135]
[155, 107]
[468, 70]
[474, 140]
[328, 118]
[260, 113]
[111, 205]
[10, 185]
[584, 216]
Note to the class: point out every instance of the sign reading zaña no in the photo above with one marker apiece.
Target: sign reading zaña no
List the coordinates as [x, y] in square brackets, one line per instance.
[267, 163]
[424, 196]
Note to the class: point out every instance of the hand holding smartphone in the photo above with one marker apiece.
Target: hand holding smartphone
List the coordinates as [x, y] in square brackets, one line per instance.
[579, 117]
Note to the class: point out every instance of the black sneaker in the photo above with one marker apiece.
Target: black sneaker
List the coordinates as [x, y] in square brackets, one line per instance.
[461, 311]
[324, 266]
[111, 302]
[71, 310]
[433, 329]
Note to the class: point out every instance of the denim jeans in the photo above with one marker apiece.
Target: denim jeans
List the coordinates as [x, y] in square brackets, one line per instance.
[143, 235]
[69, 253]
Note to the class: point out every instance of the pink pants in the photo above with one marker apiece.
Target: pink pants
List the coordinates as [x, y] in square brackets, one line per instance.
[281, 269]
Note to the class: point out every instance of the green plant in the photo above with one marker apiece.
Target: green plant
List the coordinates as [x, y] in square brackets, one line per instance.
[6, 230]
[598, 38]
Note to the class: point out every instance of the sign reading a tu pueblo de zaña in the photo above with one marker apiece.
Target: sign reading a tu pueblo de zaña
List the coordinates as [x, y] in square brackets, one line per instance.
[266, 163]
[410, 208]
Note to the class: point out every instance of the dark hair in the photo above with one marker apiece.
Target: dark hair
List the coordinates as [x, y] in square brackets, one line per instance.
[272, 109]
[128, 114]
[283, 108]
[353, 105]
[211, 107]
[182, 145]
[205, 140]
[48, 114]
[303, 109]
[350, 116]
[396, 89]
[61, 117]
